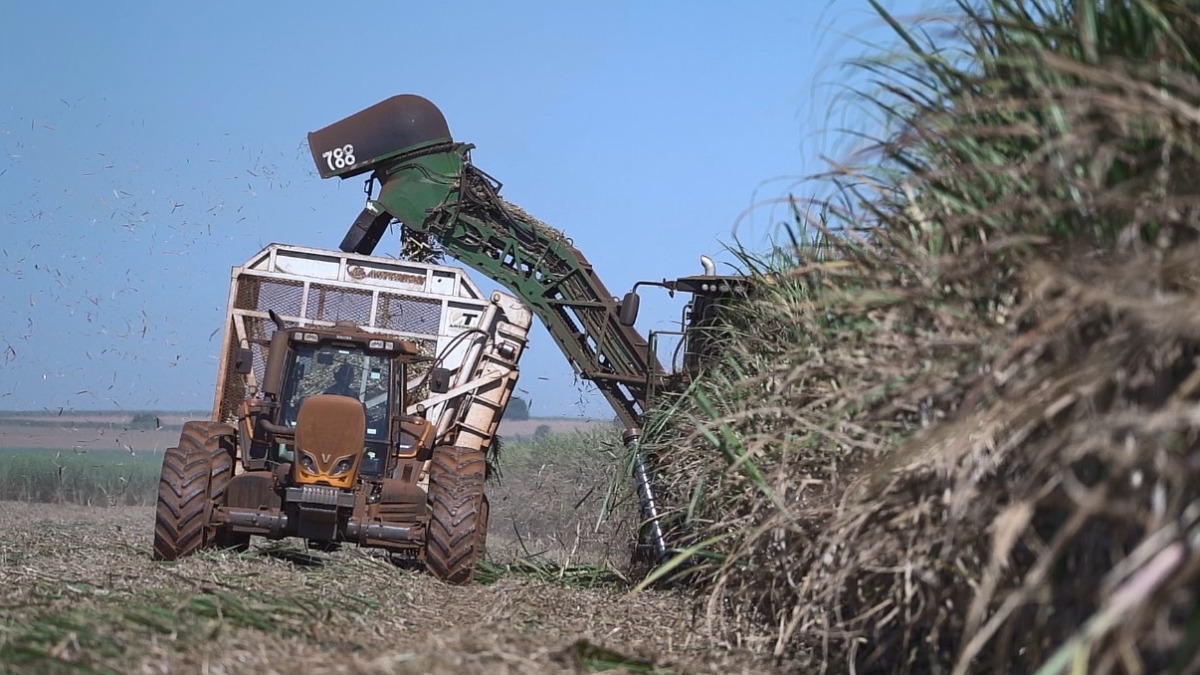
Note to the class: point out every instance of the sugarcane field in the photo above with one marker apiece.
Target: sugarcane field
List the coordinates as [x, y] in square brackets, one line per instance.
[846, 337]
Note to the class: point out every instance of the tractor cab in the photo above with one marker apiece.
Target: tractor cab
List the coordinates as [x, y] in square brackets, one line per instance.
[333, 405]
[374, 379]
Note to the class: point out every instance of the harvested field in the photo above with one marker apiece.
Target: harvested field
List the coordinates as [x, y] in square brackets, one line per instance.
[81, 594]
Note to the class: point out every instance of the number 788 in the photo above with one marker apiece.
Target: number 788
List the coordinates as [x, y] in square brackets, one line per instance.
[339, 158]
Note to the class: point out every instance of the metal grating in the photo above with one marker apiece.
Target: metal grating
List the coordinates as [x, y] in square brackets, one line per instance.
[234, 392]
[259, 332]
[311, 292]
[416, 371]
[260, 294]
[409, 314]
[331, 303]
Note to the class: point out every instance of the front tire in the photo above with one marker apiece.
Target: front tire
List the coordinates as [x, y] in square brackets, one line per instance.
[194, 477]
[458, 514]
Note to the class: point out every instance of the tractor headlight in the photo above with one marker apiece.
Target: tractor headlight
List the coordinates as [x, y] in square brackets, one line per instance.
[343, 465]
[307, 462]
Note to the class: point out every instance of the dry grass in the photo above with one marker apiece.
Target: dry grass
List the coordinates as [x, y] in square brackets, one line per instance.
[561, 499]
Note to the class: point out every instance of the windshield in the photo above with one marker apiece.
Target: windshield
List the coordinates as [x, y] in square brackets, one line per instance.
[332, 369]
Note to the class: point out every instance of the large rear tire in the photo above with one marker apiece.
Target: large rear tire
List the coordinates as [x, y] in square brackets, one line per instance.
[458, 514]
[194, 477]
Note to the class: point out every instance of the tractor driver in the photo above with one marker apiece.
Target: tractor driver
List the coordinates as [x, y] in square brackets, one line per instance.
[343, 381]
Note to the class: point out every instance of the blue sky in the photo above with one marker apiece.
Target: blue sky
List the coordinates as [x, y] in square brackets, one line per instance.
[149, 147]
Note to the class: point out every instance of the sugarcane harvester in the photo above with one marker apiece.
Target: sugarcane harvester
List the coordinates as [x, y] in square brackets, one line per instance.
[427, 183]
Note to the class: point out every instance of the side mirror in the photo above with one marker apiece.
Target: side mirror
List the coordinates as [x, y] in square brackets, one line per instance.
[244, 362]
[439, 380]
[628, 312]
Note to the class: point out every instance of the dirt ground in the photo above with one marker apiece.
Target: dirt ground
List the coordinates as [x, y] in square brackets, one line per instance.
[78, 589]
[79, 593]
